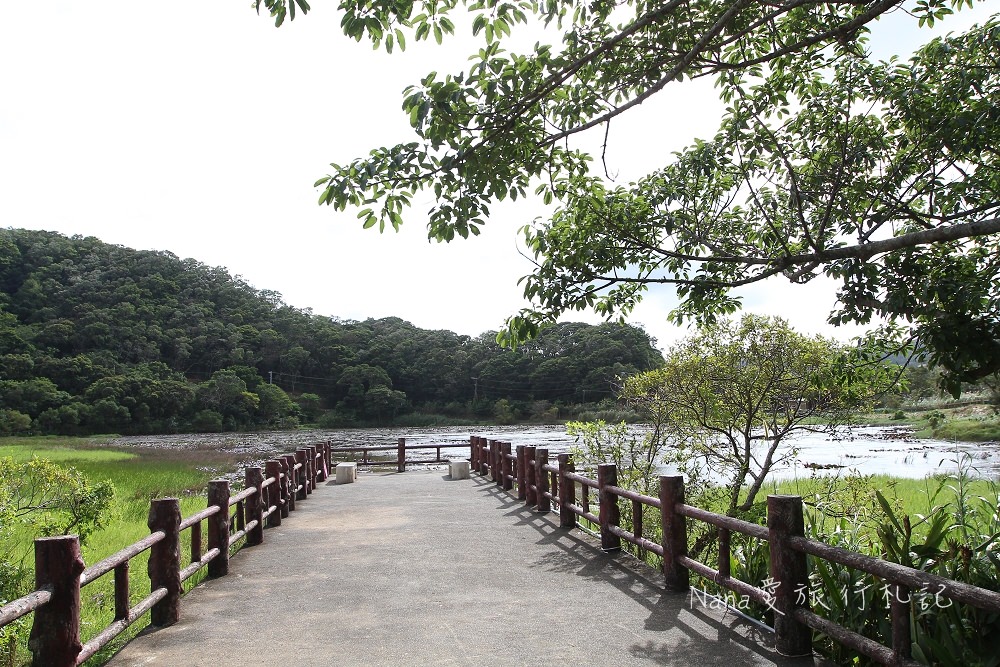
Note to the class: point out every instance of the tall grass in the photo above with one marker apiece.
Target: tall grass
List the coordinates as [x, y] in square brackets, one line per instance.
[138, 475]
[945, 524]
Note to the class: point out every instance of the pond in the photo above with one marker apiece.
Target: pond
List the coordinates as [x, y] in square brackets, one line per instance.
[867, 449]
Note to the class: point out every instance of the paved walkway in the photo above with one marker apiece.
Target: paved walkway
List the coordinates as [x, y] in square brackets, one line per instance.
[417, 569]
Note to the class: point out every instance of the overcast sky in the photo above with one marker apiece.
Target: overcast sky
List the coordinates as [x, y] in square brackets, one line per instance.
[200, 129]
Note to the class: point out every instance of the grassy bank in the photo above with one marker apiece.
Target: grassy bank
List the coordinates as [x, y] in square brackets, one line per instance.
[967, 422]
[137, 476]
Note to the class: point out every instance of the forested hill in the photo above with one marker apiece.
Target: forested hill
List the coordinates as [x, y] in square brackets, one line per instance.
[101, 338]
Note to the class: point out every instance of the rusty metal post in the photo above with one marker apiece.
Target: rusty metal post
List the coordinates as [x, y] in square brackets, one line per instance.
[218, 527]
[164, 565]
[789, 572]
[55, 629]
[255, 505]
[300, 477]
[530, 497]
[674, 528]
[567, 492]
[608, 512]
[401, 455]
[542, 480]
[272, 470]
[520, 472]
[507, 467]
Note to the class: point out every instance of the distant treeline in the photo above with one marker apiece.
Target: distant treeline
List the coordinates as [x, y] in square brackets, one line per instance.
[98, 338]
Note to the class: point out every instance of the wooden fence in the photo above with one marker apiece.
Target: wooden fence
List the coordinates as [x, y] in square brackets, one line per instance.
[269, 495]
[400, 448]
[540, 484]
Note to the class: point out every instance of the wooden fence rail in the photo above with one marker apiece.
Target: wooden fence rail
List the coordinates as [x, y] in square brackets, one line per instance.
[60, 573]
[540, 484]
[401, 448]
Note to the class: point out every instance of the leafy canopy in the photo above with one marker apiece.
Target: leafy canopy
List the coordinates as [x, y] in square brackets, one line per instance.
[882, 175]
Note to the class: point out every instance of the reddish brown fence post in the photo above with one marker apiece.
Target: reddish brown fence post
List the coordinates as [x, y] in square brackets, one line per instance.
[484, 462]
[165, 559]
[321, 468]
[674, 527]
[255, 506]
[488, 454]
[495, 462]
[521, 473]
[302, 456]
[310, 470]
[287, 463]
[507, 469]
[401, 455]
[122, 598]
[542, 480]
[55, 630]
[529, 476]
[313, 467]
[288, 467]
[473, 458]
[567, 492]
[607, 475]
[899, 607]
[484, 459]
[790, 574]
[272, 470]
[218, 527]
[300, 478]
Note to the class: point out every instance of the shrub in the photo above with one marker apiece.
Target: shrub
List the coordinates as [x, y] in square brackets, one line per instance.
[13, 422]
[207, 421]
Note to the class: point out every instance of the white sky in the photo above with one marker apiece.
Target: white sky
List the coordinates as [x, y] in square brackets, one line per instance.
[200, 129]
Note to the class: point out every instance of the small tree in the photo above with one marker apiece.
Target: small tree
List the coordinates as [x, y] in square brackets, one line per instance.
[729, 397]
[50, 499]
[45, 499]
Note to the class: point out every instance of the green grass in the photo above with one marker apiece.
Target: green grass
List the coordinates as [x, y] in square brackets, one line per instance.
[138, 475]
[968, 430]
[912, 494]
[970, 502]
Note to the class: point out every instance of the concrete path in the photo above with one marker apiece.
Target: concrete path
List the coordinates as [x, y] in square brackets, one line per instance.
[416, 569]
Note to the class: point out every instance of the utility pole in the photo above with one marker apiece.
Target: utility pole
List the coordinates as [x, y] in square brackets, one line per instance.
[475, 391]
[270, 377]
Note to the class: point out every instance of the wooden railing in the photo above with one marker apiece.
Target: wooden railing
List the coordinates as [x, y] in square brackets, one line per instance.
[400, 448]
[269, 495]
[541, 484]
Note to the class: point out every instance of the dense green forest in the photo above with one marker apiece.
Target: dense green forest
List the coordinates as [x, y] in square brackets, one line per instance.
[101, 338]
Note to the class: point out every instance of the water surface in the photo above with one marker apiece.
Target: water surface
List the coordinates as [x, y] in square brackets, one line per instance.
[869, 449]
